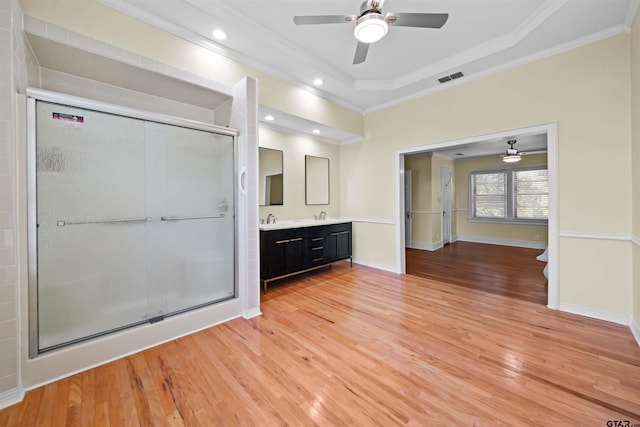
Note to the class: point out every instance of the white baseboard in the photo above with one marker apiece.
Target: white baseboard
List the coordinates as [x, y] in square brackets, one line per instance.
[249, 314]
[608, 316]
[11, 397]
[427, 246]
[504, 242]
[375, 265]
[635, 329]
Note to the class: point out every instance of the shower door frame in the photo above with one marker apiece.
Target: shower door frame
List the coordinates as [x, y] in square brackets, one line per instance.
[34, 95]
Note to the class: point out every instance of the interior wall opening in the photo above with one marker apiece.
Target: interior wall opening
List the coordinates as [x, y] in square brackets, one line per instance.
[511, 256]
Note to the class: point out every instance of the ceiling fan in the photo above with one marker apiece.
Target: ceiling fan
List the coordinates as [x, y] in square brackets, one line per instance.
[372, 25]
[513, 155]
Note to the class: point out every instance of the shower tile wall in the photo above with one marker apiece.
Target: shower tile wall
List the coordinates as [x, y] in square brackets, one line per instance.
[12, 64]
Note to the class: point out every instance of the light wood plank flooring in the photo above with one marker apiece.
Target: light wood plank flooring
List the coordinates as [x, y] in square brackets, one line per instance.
[362, 347]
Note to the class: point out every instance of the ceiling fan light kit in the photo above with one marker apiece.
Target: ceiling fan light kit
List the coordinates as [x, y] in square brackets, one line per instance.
[511, 158]
[370, 28]
[372, 25]
[512, 155]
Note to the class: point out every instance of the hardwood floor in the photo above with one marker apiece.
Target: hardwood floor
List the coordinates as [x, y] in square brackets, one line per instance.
[502, 270]
[364, 347]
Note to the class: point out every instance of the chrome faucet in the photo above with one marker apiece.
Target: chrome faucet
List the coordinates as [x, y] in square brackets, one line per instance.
[323, 215]
[271, 218]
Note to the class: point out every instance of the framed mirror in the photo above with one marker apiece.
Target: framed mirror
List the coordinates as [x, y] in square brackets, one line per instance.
[271, 177]
[316, 180]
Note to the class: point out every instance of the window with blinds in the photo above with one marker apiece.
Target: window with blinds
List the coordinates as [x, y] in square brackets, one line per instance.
[514, 195]
[531, 194]
[489, 195]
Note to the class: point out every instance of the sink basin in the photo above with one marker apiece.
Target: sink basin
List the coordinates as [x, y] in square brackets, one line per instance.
[299, 223]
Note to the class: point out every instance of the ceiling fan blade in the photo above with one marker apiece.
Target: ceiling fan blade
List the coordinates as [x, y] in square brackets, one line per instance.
[423, 20]
[322, 19]
[361, 53]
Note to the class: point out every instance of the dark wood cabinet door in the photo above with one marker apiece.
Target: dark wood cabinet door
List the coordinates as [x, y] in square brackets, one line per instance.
[338, 242]
[295, 253]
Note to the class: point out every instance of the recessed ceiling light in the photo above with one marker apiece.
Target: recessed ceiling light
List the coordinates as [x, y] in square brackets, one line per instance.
[219, 34]
[316, 131]
[318, 82]
[269, 118]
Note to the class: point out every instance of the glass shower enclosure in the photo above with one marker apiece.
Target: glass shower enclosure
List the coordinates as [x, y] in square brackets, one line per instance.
[131, 219]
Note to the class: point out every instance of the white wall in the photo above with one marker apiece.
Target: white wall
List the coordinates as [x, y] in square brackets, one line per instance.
[13, 77]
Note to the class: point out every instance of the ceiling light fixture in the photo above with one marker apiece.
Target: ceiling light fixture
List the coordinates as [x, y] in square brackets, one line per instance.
[316, 131]
[318, 82]
[511, 158]
[512, 155]
[269, 118]
[219, 34]
[370, 28]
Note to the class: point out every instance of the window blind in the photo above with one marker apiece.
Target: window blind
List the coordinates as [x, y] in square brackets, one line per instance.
[489, 195]
[531, 194]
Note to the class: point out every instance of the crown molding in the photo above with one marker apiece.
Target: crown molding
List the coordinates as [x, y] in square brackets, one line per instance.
[537, 18]
[632, 11]
[583, 41]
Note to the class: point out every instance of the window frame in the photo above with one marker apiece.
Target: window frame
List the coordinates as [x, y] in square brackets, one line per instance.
[510, 196]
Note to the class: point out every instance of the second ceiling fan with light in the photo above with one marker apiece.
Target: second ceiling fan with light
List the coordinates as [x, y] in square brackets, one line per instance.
[372, 25]
[513, 155]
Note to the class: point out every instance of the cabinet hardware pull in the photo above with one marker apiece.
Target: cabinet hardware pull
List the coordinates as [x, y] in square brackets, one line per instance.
[317, 259]
[317, 248]
[282, 241]
[297, 239]
[317, 239]
[104, 221]
[340, 232]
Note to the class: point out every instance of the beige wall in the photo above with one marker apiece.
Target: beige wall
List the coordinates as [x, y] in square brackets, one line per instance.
[635, 160]
[477, 230]
[294, 148]
[586, 91]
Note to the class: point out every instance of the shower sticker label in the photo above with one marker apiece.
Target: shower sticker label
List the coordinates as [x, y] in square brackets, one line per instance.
[68, 117]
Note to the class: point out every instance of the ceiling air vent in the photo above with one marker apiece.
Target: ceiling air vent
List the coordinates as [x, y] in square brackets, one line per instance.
[450, 77]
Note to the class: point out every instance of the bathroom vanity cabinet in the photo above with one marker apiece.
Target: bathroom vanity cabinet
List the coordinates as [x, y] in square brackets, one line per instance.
[291, 250]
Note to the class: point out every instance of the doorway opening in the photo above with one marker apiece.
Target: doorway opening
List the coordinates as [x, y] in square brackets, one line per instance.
[549, 131]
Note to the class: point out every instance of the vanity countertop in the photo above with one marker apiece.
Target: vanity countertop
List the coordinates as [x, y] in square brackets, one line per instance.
[299, 223]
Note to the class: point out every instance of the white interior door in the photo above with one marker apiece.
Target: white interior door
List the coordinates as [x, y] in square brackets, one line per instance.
[407, 210]
[445, 182]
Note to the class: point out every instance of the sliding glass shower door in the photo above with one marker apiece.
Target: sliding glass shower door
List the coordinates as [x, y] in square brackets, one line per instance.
[134, 221]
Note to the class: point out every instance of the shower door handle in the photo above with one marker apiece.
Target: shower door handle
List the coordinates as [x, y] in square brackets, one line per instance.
[104, 221]
[186, 218]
